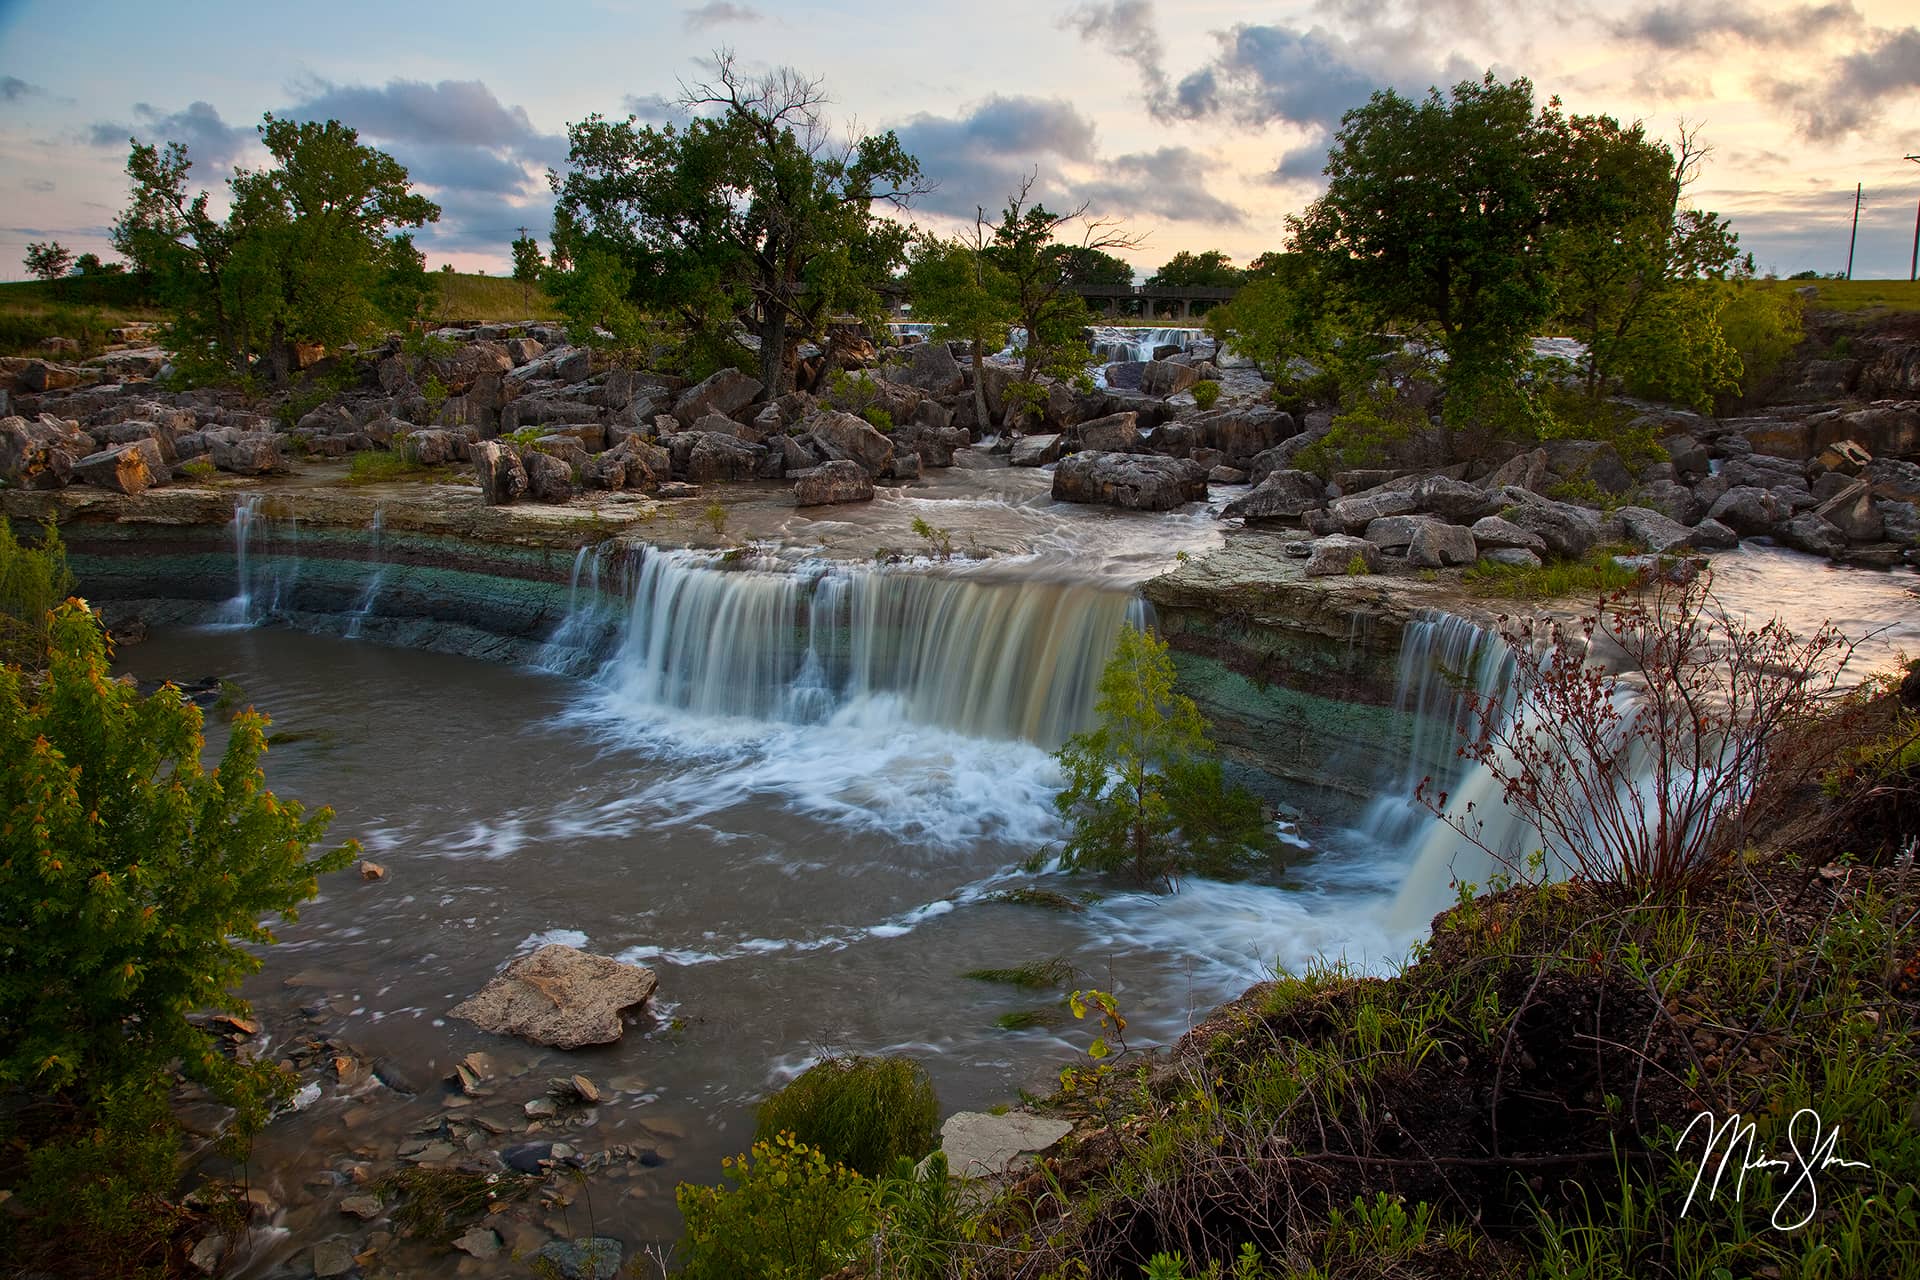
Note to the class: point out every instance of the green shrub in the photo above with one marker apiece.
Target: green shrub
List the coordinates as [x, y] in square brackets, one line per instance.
[1205, 393]
[788, 1215]
[879, 419]
[863, 1112]
[1364, 436]
[23, 332]
[1357, 567]
[199, 469]
[32, 581]
[374, 466]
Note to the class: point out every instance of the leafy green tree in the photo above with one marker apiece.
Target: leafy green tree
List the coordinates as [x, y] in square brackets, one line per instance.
[528, 264]
[958, 287]
[131, 876]
[48, 261]
[1143, 793]
[594, 293]
[1628, 258]
[1287, 312]
[32, 581]
[308, 252]
[1434, 218]
[1094, 268]
[1029, 248]
[89, 264]
[750, 213]
[1209, 270]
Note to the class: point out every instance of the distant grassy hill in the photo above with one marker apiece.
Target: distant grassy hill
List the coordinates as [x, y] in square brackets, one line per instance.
[85, 307]
[1858, 295]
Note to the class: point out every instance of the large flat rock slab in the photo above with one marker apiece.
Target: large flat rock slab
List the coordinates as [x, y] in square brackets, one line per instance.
[559, 996]
[980, 1145]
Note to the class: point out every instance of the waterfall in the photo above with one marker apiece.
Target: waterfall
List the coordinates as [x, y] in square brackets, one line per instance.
[363, 607]
[1112, 343]
[595, 611]
[239, 609]
[800, 644]
[263, 580]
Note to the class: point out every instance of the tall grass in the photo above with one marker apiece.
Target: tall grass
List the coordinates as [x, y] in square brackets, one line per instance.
[32, 581]
[865, 1113]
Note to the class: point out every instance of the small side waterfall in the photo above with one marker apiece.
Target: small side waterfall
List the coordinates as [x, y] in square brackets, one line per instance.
[262, 581]
[1115, 343]
[799, 644]
[363, 608]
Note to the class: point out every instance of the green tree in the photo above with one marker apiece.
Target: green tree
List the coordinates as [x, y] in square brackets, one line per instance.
[1629, 259]
[308, 253]
[1029, 248]
[751, 212]
[89, 264]
[48, 261]
[1434, 218]
[1143, 793]
[594, 293]
[1094, 268]
[1209, 270]
[32, 581]
[957, 287]
[1287, 312]
[528, 264]
[131, 876]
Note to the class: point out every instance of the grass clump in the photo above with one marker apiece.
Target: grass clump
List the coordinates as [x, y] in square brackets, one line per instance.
[382, 466]
[859, 1111]
[438, 1204]
[1596, 573]
[1035, 975]
[1046, 899]
[1029, 1019]
[32, 581]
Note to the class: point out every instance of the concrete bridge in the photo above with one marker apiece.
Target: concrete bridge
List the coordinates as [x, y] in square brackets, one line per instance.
[1152, 302]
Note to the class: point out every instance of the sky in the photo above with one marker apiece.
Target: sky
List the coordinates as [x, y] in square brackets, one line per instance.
[1199, 123]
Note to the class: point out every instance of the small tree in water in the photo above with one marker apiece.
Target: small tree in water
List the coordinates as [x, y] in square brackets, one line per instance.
[1144, 793]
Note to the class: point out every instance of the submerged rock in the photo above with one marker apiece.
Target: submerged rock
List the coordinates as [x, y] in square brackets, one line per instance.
[594, 1258]
[559, 996]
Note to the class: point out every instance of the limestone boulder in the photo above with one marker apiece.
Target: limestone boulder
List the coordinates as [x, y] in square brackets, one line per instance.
[1455, 501]
[832, 482]
[559, 996]
[1529, 470]
[1336, 556]
[726, 392]
[1284, 496]
[1438, 545]
[930, 367]
[128, 468]
[978, 1144]
[1651, 530]
[1134, 481]
[248, 455]
[709, 457]
[498, 468]
[843, 436]
[1566, 530]
[1035, 451]
[1115, 433]
[549, 479]
[1491, 533]
[1750, 510]
[1592, 460]
[1354, 514]
[1165, 378]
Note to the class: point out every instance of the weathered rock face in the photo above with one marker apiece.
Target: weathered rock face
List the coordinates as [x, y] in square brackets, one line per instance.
[843, 436]
[129, 468]
[1354, 514]
[711, 457]
[434, 446]
[1241, 434]
[1651, 531]
[1492, 533]
[1525, 471]
[1334, 556]
[1811, 533]
[502, 477]
[1035, 451]
[40, 454]
[253, 455]
[832, 482]
[559, 996]
[1590, 460]
[980, 1145]
[1454, 500]
[549, 479]
[1116, 433]
[1566, 530]
[726, 392]
[1673, 500]
[1438, 545]
[1282, 496]
[1750, 510]
[1165, 378]
[1134, 481]
[929, 367]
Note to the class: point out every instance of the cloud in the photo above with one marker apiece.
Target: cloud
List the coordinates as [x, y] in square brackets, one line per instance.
[718, 12]
[1126, 29]
[1854, 90]
[13, 89]
[651, 108]
[210, 140]
[1677, 27]
[1169, 183]
[452, 111]
[979, 157]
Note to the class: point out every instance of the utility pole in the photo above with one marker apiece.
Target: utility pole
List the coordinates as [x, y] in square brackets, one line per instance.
[1913, 263]
[1856, 229]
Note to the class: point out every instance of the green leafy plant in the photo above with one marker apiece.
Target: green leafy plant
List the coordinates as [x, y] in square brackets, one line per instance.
[786, 1213]
[1205, 393]
[1140, 783]
[862, 1112]
[1357, 566]
[33, 580]
[1107, 1014]
[939, 541]
[715, 515]
[877, 418]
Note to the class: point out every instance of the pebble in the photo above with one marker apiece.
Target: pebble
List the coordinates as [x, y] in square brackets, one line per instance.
[542, 1109]
[362, 1207]
[594, 1258]
[482, 1242]
[332, 1258]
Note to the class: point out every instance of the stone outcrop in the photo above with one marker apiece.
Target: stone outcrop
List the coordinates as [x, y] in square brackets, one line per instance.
[1336, 555]
[1135, 481]
[832, 482]
[129, 468]
[1284, 496]
[559, 996]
